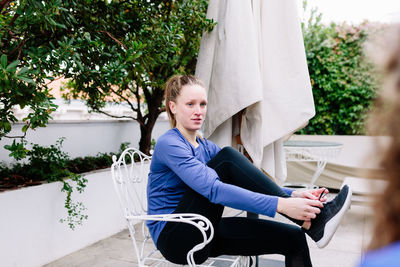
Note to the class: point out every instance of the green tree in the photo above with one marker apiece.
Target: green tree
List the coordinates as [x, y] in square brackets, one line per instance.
[128, 56]
[343, 81]
[23, 33]
[121, 51]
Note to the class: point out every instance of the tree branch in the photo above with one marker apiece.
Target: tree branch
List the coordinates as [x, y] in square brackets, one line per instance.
[161, 110]
[16, 15]
[139, 112]
[119, 117]
[124, 98]
[147, 95]
[130, 89]
[19, 47]
[113, 116]
[4, 4]
[18, 136]
[115, 39]
[56, 79]
[13, 137]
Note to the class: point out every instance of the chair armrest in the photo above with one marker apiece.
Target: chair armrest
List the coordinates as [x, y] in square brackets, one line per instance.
[200, 222]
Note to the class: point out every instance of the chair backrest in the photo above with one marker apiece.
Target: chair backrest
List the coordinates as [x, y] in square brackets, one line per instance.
[129, 174]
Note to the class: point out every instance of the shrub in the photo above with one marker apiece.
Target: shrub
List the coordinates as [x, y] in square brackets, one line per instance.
[342, 79]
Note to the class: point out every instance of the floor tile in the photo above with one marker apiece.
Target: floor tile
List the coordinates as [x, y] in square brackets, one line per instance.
[334, 258]
[344, 250]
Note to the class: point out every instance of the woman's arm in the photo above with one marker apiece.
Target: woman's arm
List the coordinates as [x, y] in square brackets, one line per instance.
[178, 157]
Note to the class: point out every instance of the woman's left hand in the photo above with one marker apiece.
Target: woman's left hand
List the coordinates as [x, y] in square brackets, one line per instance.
[313, 194]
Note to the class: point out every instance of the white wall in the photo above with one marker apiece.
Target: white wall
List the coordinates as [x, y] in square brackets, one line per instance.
[85, 138]
[31, 234]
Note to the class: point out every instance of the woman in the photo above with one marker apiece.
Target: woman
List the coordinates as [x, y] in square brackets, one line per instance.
[384, 249]
[190, 174]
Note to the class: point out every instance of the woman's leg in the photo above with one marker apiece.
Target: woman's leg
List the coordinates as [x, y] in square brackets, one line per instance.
[176, 239]
[248, 237]
[234, 168]
[232, 236]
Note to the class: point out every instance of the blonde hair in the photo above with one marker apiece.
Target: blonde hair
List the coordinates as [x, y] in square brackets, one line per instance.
[173, 89]
[385, 120]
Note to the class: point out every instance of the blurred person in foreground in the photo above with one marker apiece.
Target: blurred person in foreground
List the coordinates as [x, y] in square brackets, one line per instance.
[384, 249]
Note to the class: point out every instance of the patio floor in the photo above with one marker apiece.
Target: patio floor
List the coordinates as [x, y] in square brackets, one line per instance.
[344, 250]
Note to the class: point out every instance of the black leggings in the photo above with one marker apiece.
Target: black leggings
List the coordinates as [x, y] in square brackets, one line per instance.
[234, 235]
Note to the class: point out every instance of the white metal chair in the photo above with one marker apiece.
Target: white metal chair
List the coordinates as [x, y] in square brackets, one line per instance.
[130, 180]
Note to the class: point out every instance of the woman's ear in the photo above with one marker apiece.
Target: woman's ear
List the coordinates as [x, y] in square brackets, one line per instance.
[172, 107]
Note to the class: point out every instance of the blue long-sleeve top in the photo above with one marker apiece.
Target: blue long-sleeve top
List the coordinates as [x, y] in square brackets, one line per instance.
[176, 164]
[388, 256]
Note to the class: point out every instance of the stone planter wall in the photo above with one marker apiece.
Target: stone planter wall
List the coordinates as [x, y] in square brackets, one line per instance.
[30, 231]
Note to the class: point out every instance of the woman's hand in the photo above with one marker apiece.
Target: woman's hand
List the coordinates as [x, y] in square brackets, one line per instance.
[313, 194]
[299, 208]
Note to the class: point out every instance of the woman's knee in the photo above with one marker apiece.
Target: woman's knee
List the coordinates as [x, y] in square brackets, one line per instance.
[223, 155]
[230, 153]
[228, 150]
[226, 157]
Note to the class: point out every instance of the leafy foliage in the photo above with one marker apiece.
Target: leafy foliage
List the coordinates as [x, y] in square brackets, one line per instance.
[343, 81]
[48, 164]
[18, 88]
[90, 163]
[120, 51]
[74, 209]
[130, 61]
[51, 164]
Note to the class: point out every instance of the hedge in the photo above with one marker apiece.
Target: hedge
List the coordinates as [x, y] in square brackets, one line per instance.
[343, 80]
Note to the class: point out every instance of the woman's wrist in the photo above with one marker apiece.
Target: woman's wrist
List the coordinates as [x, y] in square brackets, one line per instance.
[281, 204]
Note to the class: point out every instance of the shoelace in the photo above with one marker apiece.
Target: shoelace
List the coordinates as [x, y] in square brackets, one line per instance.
[322, 195]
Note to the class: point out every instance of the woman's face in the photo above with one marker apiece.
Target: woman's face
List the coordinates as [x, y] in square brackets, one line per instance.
[190, 108]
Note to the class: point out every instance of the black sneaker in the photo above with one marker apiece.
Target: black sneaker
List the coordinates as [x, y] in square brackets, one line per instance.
[325, 224]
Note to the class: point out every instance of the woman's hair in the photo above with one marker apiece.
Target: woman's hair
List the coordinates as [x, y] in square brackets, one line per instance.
[385, 120]
[173, 89]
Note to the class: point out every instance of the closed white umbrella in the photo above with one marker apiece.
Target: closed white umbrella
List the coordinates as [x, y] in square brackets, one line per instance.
[254, 60]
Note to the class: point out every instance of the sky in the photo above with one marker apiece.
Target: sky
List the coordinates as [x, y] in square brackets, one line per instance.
[356, 11]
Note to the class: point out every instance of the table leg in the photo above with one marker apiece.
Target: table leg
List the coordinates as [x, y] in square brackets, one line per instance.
[320, 168]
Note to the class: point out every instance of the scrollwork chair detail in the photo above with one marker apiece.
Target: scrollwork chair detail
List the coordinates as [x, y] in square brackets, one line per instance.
[129, 174]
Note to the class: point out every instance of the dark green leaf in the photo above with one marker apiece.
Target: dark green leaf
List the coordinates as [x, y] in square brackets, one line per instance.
[22, 71]
[3, 60]
[13, 65]
[26, 79]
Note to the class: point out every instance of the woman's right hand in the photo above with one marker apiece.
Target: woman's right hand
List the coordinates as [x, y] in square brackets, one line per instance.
[299, 208]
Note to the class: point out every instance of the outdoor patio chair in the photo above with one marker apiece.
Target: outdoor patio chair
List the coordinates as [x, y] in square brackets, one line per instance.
[130, 181]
